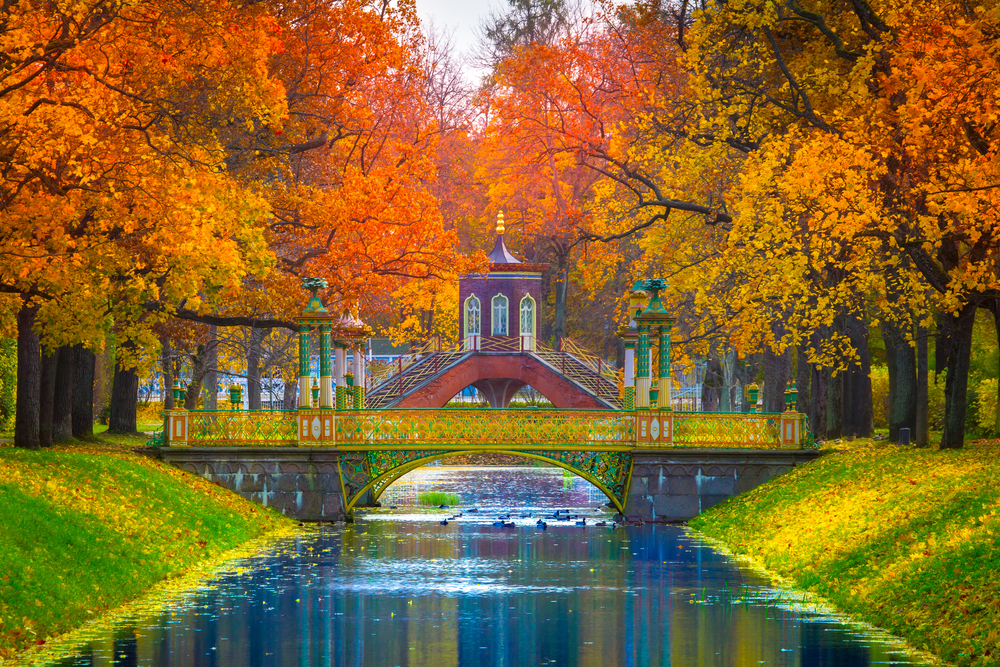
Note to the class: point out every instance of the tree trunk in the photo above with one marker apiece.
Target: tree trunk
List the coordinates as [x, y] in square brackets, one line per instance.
[956, 387]
[777, 369]
[290, 396]
[858, 419]
[50, 363]
[727, 363]
[890, 366]
[26, 411]
[83, 392]
[167, 368]
[199, 369]
[803, 373]
[559, 316]
[124, 401]
[818, 415]
[253, 369]
[834, 403]
[211, 384]
[62, 403]
[922, 435]
[902, 381]
[996, 325]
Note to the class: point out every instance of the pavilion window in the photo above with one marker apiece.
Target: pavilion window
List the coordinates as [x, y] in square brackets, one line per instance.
[527, 316]
[500, 305]
[473, 318]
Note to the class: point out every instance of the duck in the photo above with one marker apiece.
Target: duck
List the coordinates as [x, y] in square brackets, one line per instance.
[473, 510]
[542, 525]
[442, 507]
[583, 522]
[526, 516]
[499, 524]
[444, 522]
[393, 507]
[601, 523]
[510, 524]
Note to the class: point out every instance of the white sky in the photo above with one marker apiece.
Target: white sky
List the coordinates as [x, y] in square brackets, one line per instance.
[459, 17]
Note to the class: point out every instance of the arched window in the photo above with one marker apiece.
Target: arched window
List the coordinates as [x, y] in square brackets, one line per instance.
[527, 316]
[472, 316]
[500, 305]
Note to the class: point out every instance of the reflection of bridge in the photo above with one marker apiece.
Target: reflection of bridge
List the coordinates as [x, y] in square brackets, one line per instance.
[322, 463]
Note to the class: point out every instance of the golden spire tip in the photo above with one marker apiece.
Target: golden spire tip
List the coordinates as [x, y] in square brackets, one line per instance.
[500, 222]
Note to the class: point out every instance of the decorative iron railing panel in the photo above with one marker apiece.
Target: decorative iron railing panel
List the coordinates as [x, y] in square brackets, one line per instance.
[473, 428]
[464, 427]
[242, 427]
[723, 429]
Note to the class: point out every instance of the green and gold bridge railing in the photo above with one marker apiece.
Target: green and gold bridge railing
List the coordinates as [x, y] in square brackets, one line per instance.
[379, 446]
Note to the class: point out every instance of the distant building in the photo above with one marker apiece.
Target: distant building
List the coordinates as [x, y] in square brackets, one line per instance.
[502, 304]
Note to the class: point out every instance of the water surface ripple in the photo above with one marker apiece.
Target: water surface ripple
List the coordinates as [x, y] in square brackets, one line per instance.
[398, 588]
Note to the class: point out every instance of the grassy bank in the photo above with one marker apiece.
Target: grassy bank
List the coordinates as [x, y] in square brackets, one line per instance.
[905, 539]
[86, 528]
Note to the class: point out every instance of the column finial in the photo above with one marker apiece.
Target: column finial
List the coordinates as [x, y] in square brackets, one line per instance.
[500, 226]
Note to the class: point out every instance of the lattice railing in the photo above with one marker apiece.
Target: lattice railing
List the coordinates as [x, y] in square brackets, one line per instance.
[520, 428]
[583, 429]
[602, 367]
[580, 374]
[242, 427]
[725, 429]
[414, 376]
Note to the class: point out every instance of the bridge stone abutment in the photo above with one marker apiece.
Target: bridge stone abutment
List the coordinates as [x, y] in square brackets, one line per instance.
[300, 483]
[679, 484]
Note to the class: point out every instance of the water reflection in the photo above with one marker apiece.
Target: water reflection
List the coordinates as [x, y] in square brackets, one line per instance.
[398, 588]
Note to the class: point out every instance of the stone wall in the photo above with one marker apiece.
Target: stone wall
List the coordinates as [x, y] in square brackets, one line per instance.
[678, 484]
[667, 484]
[298, 482]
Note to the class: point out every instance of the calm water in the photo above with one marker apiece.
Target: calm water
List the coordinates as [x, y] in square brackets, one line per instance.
[398, 588]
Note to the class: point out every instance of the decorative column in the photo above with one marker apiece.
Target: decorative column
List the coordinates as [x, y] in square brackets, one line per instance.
[304, 372]
[340, 362]
[642, 376]
[325, 376]
[665, 382]
[629, 379]
[359, 379]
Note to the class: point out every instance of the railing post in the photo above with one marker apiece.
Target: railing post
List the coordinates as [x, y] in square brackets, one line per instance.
[177, 428]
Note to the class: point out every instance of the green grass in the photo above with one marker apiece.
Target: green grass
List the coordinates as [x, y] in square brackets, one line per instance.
[435, 498]
[906, 539]
[86, 528]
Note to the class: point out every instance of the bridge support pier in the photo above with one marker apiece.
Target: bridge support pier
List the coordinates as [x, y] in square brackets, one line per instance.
[679, 484]
[302, 483]
[498, 391]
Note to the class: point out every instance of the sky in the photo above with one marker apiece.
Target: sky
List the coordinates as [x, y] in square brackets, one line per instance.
[460, 16]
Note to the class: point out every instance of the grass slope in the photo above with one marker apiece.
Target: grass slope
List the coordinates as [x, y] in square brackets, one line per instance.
[84, 529]
[905, 539]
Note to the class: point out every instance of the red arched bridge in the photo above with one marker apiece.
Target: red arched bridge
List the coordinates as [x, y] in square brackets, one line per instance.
[498, 367]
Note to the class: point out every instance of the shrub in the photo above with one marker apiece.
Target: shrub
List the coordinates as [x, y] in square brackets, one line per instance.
[434, 498]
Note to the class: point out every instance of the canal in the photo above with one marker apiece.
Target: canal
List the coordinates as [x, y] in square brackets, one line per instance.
[399, 588]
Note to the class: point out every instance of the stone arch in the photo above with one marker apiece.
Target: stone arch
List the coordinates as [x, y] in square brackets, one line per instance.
[380, 483]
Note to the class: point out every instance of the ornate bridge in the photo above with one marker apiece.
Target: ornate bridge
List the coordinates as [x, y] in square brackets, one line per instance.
[335, 453]
[366, 450]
